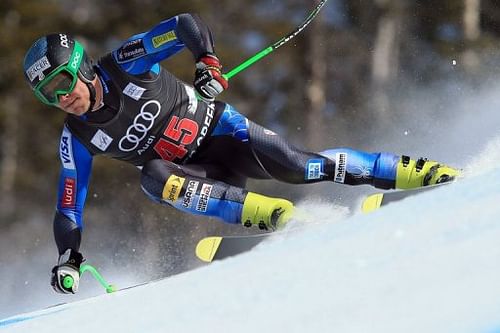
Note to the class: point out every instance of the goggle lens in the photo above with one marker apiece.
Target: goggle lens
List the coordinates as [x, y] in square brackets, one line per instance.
[60, 84]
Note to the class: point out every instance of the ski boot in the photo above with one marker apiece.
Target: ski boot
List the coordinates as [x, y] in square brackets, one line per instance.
[265, 212]
[412, 174]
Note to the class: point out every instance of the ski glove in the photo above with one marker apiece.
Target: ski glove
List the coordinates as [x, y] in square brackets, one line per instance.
[66, 275]
[208, 80]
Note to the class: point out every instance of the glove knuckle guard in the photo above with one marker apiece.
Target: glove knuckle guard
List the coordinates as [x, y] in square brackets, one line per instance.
[209, 81]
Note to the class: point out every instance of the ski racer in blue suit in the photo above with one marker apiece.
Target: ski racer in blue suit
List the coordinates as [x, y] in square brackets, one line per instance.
[195, 153]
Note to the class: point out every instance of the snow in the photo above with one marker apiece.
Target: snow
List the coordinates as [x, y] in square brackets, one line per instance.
[427, 264]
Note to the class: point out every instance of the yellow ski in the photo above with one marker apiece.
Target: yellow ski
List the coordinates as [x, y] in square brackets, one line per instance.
[207, 248]
[372, 202]
[375, 201]
[215, 248]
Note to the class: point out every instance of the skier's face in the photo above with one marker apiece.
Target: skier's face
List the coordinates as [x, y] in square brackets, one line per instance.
[78, 101]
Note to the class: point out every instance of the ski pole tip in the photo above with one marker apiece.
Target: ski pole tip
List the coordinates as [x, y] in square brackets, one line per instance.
[111, 289]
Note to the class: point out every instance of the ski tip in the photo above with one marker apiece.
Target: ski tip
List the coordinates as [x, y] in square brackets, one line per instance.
[207, 248]
[372, 202]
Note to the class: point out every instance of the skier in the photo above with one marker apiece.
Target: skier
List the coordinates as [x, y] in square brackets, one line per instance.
[195, 153]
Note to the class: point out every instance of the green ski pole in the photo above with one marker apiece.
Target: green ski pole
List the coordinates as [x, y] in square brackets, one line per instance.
[250, 61]
[68, 280]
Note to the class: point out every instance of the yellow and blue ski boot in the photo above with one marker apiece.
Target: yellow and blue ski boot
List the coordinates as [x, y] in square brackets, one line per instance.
[412, 174]
[265, 212]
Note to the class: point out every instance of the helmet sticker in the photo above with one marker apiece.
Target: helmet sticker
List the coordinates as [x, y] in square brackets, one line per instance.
[64, 40]
[37, 69]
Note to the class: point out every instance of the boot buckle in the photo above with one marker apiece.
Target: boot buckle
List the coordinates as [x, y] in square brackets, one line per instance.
[420, 164]
[405, 160]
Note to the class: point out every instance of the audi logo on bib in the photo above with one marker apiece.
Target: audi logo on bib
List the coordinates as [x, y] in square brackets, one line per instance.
[143, 122]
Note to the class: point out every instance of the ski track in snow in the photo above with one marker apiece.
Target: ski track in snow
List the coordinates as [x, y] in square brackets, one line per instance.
[427, 264]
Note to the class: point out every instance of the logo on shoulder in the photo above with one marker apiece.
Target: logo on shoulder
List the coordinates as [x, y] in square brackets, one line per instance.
[131, 50]
[163, 38]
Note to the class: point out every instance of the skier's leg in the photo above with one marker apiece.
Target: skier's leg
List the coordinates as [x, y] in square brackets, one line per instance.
[385, 170]
[267, 155]
[188, 189]
[256, 152]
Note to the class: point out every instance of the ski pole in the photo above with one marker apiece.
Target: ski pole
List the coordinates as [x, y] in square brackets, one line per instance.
[68, 280]
[250, 61]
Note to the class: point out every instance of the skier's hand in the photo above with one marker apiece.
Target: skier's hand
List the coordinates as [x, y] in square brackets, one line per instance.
[66, 274]
[208, 80]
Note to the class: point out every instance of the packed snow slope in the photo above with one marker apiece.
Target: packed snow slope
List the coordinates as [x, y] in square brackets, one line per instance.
[430, 263]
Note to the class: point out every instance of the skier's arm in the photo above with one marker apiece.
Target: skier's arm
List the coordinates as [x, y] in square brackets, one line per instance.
[76, 163]
[195, 34]
[73, 182]
[197, 37]
[142, 52]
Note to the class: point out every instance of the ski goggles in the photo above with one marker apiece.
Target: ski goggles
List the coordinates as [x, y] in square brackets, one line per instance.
[62, 80]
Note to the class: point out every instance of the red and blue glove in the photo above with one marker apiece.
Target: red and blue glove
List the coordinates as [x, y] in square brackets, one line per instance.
[208, 80]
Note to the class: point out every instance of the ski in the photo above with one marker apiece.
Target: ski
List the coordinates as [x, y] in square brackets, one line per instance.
[377, 200]
[214, 248]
